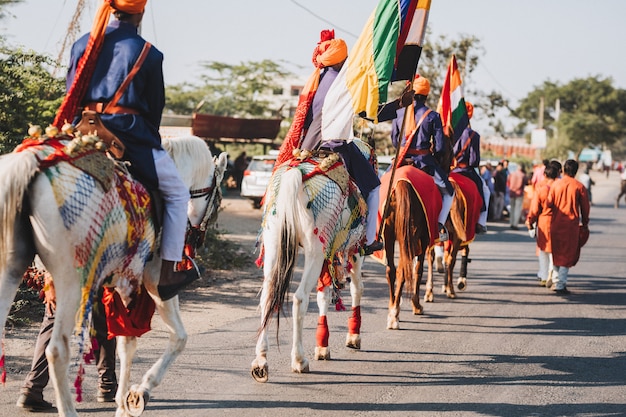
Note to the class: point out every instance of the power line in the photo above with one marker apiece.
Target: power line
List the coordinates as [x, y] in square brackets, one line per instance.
[312, 13]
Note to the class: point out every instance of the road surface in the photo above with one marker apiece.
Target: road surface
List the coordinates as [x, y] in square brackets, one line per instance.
[504, 347]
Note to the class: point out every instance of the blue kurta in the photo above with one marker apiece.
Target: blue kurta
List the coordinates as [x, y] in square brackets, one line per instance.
[146, 94]
[429, 136]
[467, 156]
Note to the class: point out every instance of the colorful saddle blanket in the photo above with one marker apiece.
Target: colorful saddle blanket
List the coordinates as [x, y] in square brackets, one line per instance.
[107, 213]
[337, 206]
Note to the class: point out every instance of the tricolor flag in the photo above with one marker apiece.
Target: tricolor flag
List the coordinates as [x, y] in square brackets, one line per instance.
[388, 49]
[451, 105]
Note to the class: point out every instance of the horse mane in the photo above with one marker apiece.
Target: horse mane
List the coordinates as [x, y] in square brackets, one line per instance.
[16, 173]
[192, 157]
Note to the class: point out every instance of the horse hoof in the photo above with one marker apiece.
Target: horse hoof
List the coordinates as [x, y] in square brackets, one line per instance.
[353, 341]
[322, 353]
[451, 295]
[302, 368]
[429, 297]
[260, 373]
[418, 311]
[393, 324]
[135, 402]
[461, 283]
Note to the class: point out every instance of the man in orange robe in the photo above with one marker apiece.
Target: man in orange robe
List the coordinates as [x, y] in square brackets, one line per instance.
[540, 218]
[570, 221]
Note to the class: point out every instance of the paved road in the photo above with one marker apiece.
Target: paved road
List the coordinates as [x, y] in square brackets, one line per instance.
[504, 347]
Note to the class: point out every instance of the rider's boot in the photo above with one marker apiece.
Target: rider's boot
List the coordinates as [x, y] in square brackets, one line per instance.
[170, 281]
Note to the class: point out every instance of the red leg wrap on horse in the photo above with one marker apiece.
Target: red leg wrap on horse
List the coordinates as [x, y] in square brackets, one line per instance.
[354, 322]
[322, 332]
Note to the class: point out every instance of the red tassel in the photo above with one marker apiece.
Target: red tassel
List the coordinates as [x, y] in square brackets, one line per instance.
[339, 305]
[3, 376]
[322, 332]
[354, 322]
[327, 35]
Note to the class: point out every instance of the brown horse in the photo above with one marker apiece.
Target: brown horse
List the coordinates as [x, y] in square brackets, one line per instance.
[408, 224]
[460, 224]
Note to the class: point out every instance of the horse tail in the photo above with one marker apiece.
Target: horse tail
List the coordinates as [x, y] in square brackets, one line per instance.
[16, 173]
[409, 227]
[457, 213]
[287, 214]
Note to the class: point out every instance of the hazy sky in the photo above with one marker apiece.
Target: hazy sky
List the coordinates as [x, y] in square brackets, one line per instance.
[525, 42]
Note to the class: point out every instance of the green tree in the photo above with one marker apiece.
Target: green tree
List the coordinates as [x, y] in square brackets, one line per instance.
[592, 113]
[229, 90]
[28, 94]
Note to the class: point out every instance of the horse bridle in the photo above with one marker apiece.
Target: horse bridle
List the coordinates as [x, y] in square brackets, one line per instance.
[195, 234]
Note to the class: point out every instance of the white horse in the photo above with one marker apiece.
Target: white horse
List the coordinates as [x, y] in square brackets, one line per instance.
[318, 215]
[30, 224]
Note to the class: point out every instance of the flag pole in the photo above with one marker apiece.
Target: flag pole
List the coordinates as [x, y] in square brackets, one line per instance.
[393, 170]
[395, 160]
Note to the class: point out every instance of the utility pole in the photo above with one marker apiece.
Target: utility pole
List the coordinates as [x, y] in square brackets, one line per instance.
[541, 110]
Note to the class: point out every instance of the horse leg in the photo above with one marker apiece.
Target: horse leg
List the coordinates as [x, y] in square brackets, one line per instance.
[322, 352]
[126, 348]
[428, 295]
[448, 287]
[19, 256]
[416, 275]
[138, 395]
[259, 368]
[353, 339]
[58, 350]
[313, 261]
[133, 400]
[461, 283]
[395, 288]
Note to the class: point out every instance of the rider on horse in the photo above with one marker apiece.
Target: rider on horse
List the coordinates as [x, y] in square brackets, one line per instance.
[466, 152]
[427, 146]
[329, 57]
[92, 83]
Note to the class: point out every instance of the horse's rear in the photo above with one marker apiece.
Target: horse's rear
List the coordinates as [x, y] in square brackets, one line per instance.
[461, 232]
[291, 220]
[406, 224]
[37, 218]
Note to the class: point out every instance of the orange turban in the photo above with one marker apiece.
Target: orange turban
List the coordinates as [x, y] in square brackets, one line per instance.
[421, 86]
[329, 53]
[129, 6]
[470, 109]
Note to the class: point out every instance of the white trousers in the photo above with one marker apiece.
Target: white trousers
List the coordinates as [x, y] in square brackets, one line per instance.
[176, 196]
[371, 220]
[446, 199]
[545, 265]
[559, 277]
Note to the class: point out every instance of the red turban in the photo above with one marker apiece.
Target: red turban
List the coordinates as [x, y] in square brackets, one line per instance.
[470, 109]
[421, 85]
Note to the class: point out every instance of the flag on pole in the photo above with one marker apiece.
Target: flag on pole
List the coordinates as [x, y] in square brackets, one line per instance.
[388, 49]
[451, 105]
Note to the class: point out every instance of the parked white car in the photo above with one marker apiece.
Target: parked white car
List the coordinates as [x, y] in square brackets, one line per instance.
[384, 161]
[256, 177]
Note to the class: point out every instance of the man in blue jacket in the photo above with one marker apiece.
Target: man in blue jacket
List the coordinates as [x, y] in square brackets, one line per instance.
[135, 120]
